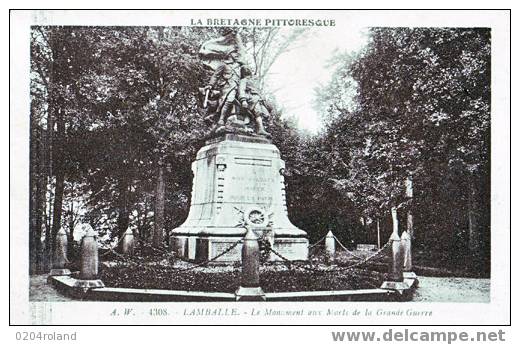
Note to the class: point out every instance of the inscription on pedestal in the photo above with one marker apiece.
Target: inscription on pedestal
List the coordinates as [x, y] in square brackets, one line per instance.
[253, 161]
[250, 185]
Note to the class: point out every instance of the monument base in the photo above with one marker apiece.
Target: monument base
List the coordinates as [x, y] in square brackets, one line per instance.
[227, 250]
[250, 294]
[238, 182]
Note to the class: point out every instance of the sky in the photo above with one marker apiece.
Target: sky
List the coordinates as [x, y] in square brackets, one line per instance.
[295, 75]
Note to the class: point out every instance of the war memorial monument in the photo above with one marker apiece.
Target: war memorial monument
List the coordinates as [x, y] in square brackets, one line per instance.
[238, 217]
[238, 178]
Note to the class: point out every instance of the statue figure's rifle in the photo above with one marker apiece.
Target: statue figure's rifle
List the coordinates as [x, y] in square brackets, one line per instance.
[206, 97]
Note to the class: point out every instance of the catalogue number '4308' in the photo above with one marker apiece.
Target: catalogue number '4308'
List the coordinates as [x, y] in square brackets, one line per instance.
[159, 312]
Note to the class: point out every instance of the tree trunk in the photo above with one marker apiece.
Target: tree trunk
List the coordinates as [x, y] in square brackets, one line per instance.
[363, 229]
[395, 221]
[143, 231]
[49, 156]
[158, 227]
[70, 247]
[70, 234]
[34, 204]
[473, 235]
[41, 189]
[58, 203]
[123, 217]
[378, 235]
[409, 214]
[59, 170]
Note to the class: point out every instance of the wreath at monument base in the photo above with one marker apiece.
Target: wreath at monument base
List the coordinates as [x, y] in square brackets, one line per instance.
[265, 249]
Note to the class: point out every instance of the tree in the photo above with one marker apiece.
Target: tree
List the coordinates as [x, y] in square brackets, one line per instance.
[421, 108]
[153, 96]
[265, 45]
[58, 59]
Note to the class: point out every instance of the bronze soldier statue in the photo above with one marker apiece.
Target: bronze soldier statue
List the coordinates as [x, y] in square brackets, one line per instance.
[231, 97]
[225, 81]
[251, 100]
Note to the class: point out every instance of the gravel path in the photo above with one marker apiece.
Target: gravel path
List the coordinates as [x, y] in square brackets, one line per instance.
[41, 291]
[465, 290]
[431, 289]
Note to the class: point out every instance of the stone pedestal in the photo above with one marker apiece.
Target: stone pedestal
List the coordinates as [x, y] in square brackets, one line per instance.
[238, 182]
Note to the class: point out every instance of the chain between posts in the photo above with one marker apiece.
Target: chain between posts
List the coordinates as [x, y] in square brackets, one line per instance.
[315, 243]
[286, 261]
[364, 261]
[161, 251]
[310, 267]
[289, 263]
[212, 259]
[128, 260]
[345, 248]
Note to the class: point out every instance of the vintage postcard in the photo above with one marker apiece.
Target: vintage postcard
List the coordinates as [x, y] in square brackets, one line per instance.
[219, 167]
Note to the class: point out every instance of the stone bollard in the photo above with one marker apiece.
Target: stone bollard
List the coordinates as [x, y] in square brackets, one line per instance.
[60, 255]
[79, 287]
[396, 271]
[408, 274]
[406, 241]
[396, 281]
[330, 247]
[250, 289]
[89, 263]
[128, 244]
[89, 256]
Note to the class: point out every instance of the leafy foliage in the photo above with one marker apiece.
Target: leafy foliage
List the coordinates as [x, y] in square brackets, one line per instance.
[420, 108]
[113, 106]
